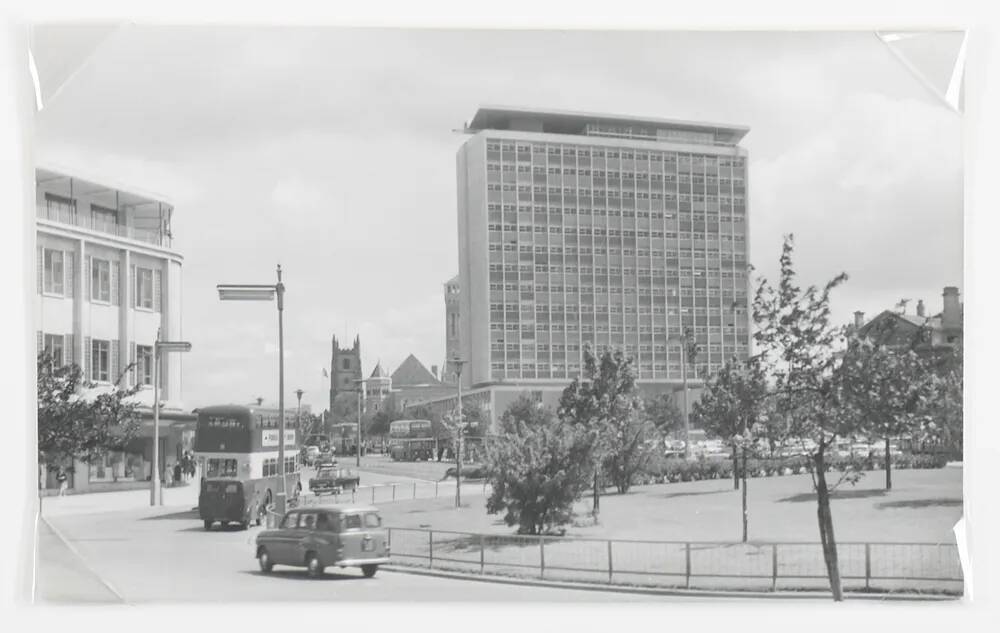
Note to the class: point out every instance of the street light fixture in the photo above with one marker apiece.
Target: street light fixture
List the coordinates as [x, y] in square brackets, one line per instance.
[682, 340]
[458, 363]
[159, 347]
[268, 292]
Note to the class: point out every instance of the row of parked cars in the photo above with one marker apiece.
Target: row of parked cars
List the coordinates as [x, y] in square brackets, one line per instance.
[717, 449]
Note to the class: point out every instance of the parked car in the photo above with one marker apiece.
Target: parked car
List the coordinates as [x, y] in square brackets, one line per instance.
[330, 480]
[310, 454]
[317, 538]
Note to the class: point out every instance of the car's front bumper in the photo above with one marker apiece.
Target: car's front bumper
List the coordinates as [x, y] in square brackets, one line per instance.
[357, 562]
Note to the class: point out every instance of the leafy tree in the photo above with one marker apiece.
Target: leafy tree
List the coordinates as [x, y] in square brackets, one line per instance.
[945, 421]
[890, 389]
[538, 466]
[664, 413]
[78, 422]
[345, 408]
[798, 346]
[604, 404]
[731, 403]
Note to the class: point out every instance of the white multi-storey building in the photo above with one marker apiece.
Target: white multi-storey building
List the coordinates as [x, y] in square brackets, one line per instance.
[107, 279]
[611, 231]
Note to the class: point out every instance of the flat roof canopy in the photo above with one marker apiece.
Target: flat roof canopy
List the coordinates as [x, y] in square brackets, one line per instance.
[564, 122]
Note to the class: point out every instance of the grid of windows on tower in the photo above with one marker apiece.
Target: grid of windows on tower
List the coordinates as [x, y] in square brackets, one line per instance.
[614, 247]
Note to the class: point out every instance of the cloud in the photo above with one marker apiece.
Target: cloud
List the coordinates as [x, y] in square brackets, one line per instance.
[331, 152]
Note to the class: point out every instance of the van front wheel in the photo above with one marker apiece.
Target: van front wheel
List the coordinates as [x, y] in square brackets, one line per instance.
[369, 570]
[208, 524]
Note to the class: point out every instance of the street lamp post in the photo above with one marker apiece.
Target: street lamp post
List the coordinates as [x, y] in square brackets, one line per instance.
[155, 487]
[361, 389]
[269, 292]
[458, 435]
[298, 413]
[683, 342]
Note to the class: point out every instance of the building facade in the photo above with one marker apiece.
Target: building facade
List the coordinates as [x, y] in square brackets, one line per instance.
[378, 390]
[897, 328]
[609, 231]
[108, 278]
[345, 368]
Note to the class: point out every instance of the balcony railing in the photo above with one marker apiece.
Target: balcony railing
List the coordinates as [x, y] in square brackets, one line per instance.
[86, 221]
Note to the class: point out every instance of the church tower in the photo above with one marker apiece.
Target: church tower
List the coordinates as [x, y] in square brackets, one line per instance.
[345, 368]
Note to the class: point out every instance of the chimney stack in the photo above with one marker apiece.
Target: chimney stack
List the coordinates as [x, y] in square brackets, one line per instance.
[951, 314]
[920, 308]
[859, 319]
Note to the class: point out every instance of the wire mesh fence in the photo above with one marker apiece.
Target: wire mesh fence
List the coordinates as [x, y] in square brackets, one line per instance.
[902, 567]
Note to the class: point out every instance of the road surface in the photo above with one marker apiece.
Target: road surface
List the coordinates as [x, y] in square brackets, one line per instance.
[164, 555]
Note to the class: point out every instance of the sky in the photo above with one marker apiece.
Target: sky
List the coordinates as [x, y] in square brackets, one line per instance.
[332, 151]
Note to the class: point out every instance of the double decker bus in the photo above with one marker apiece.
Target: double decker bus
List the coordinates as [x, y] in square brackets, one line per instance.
[411, 440]
[237, 450]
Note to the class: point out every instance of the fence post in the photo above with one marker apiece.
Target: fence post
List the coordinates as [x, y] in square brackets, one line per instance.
[430, 540]
[868, 566]
[610, 564]
[541, 551]
[373, 495]
[393, 492]
[482, 554]
[687, 565]
[774, 567]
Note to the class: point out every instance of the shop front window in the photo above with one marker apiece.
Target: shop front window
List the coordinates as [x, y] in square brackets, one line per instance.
[118, 466]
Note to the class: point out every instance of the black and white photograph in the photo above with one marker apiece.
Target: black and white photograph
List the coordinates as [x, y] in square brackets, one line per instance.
[330, 314]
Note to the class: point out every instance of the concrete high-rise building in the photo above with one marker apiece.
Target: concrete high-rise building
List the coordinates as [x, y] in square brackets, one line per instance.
[108, 277]
[613, 231]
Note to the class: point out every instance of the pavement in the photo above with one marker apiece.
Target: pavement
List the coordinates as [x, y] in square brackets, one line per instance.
[187, 496]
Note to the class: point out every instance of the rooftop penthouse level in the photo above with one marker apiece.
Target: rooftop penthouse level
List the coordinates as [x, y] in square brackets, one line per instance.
[605, 125]
[102, 209]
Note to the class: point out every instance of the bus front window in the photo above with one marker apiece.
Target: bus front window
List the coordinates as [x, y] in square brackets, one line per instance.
[221, 468]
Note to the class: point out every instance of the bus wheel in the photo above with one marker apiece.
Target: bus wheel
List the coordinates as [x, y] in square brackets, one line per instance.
[369, 570]
[244, 525]
[208, 524]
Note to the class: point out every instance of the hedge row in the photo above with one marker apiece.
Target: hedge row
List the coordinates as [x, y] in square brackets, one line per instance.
[672, 470]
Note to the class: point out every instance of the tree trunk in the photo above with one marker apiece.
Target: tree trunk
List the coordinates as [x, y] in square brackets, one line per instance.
[825, 518]
[597, 496]
[888, 466]
[746, 515]
[736, 470]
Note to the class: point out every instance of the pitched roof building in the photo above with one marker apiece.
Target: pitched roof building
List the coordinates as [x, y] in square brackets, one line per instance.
[898, 329]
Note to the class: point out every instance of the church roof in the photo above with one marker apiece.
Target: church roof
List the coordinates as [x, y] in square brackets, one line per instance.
[379, 372]
[412, 372]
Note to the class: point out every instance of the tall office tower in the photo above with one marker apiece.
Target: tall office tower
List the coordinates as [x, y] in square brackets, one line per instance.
[613, 231]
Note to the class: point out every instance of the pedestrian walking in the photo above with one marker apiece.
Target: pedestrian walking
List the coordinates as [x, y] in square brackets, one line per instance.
[178, 474]
[63, 482]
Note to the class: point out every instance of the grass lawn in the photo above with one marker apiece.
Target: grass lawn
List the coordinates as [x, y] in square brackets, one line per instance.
[922, 507]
